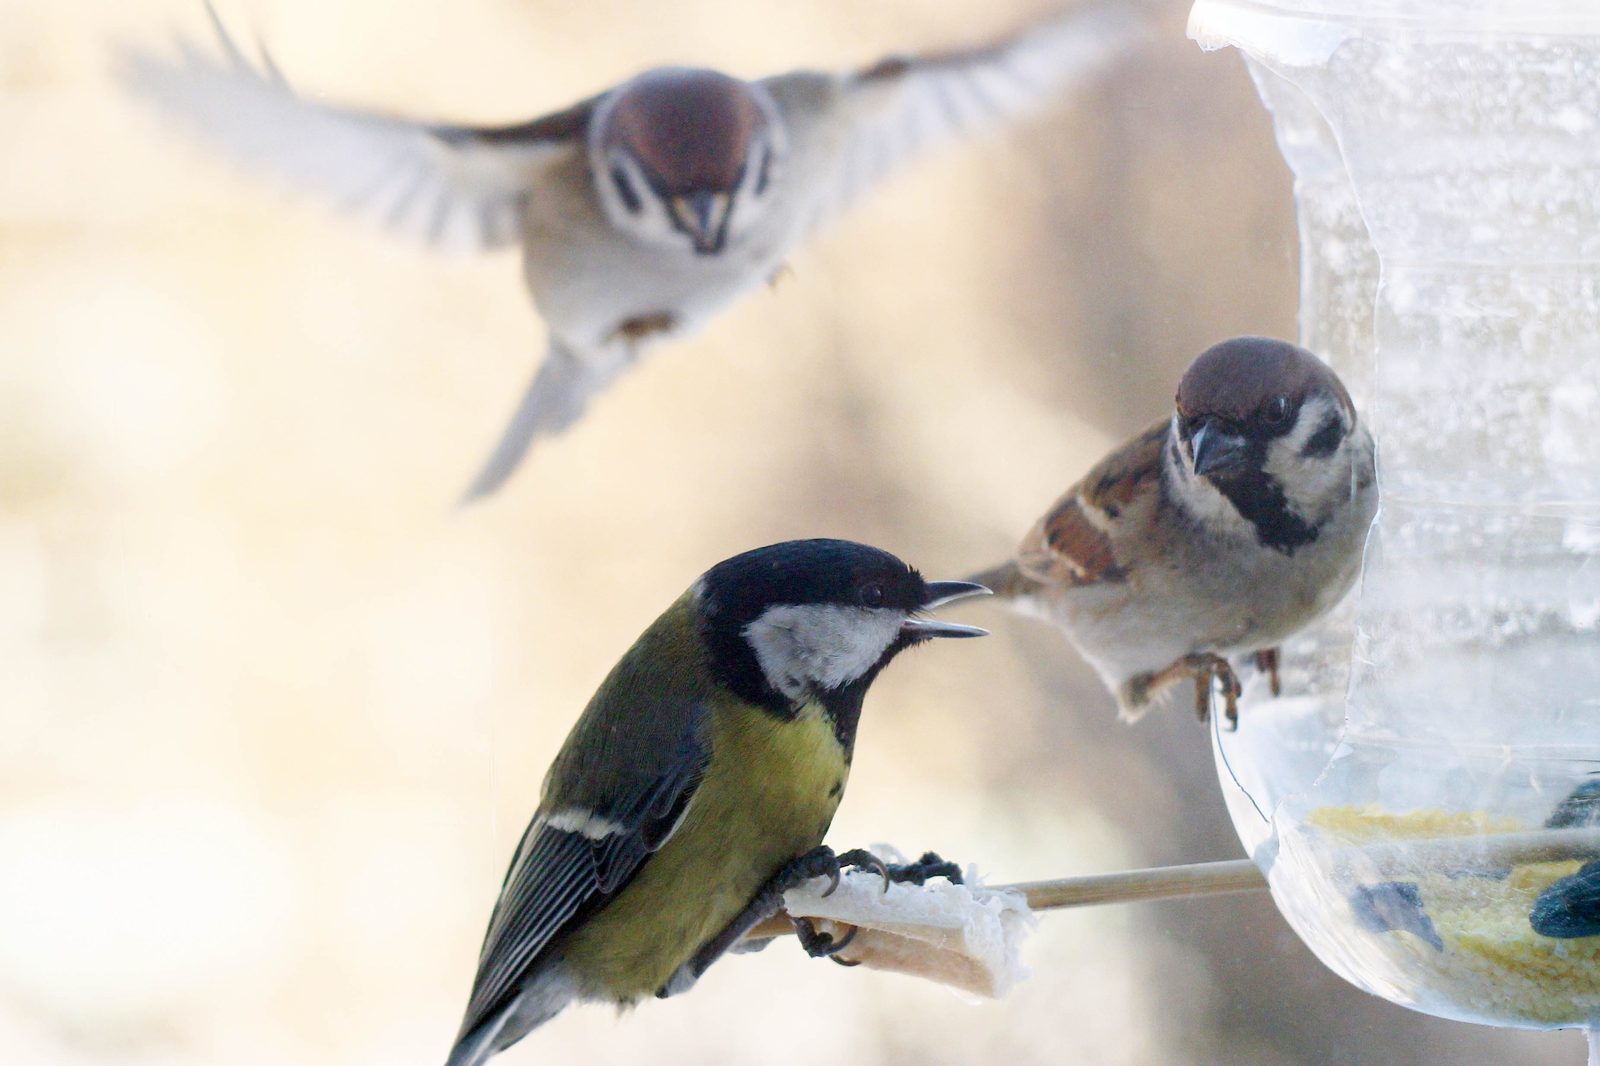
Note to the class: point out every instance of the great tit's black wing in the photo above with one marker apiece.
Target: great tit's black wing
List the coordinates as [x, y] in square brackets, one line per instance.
[457, 187]
[902, 105]
[632, 782]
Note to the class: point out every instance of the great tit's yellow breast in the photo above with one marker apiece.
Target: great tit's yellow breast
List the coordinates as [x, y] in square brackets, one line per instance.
[768, 796]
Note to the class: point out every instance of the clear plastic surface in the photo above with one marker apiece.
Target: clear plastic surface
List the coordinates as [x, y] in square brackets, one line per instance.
[1447, 180]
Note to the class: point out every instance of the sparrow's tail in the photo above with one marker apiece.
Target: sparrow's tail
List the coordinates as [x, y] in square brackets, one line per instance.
[1006, 581]
[555, 399]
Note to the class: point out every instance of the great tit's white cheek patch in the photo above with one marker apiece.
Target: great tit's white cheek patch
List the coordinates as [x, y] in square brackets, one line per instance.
[584, 823]
[806, 647]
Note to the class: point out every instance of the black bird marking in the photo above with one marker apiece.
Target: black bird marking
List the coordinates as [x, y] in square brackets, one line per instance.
[1259, 499]
[1569, 908]
[1580, 808]
[1325, 441]
[1394, 906]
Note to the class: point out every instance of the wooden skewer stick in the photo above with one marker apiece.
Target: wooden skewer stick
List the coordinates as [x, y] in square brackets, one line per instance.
[1129, 886]
[1134, 886]
[1362, 862]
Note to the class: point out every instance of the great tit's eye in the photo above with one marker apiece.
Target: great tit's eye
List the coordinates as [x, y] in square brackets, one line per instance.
[871, 595]
[625, 189]
[1276, 411]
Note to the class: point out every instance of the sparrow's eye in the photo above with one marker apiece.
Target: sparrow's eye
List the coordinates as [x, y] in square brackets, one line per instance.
[625, 189]
[1276, 411]
[871, 595]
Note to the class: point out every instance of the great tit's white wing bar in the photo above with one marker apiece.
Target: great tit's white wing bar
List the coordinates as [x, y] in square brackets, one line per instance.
[449, 186]
[572, 859]
[902, 105]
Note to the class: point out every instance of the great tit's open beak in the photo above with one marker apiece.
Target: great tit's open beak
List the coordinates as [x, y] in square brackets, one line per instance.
[1216, 450]
[939, 594]
[704, 217]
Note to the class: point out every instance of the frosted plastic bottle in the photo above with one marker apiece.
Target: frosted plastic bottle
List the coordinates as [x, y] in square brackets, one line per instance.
[1446, 156]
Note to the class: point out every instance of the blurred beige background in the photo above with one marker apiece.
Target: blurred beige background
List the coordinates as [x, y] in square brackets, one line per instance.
[274, 714]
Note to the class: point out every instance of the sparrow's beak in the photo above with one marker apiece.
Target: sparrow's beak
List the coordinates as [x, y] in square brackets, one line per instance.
[939, 594]
[1216, 450]
[704, 217]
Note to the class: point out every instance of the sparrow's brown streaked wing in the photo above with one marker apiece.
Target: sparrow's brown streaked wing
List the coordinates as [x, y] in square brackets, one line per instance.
[454, 187]
[1071, 544]
[902, 105]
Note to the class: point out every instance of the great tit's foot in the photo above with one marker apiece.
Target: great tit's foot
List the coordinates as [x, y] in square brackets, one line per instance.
[930, 865]
[1267, 663]
[861, 859]
[822, 945]
[818, 862]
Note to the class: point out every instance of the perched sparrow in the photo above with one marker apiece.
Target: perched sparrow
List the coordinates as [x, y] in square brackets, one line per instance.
[698, 784]
[1219, 531]
[642, 210]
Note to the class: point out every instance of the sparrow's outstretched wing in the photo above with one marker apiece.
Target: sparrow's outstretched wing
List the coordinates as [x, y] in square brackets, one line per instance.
[870, 121]
[456, 187]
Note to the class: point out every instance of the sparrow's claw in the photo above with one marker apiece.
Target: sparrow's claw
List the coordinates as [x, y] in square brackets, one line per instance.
[1207, 670]
[1267, 663]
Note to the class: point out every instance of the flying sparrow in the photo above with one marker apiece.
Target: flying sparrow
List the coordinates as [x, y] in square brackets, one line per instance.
[642, 210]
[1217, 532]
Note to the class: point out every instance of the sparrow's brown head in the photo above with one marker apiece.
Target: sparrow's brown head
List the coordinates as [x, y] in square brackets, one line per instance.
[1270, 427]
[1241, 395]
[677, 150]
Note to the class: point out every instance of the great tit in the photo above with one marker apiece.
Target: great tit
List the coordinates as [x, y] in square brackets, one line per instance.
[698, 783]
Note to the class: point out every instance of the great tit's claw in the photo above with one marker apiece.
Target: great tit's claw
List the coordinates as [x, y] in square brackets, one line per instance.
[862, 859]
[818, 862]
[930, 865]
[821, 945]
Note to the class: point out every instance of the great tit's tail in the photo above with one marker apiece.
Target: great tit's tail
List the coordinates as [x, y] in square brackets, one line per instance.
[475, 1047]
[543, 998]
[555, 399]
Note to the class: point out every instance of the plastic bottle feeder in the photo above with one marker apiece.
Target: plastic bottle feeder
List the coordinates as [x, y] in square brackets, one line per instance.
[1430, 778]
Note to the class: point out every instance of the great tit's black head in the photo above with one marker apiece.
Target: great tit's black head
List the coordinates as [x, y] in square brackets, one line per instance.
[1268, 425]
[811, 619]
[686, 156]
